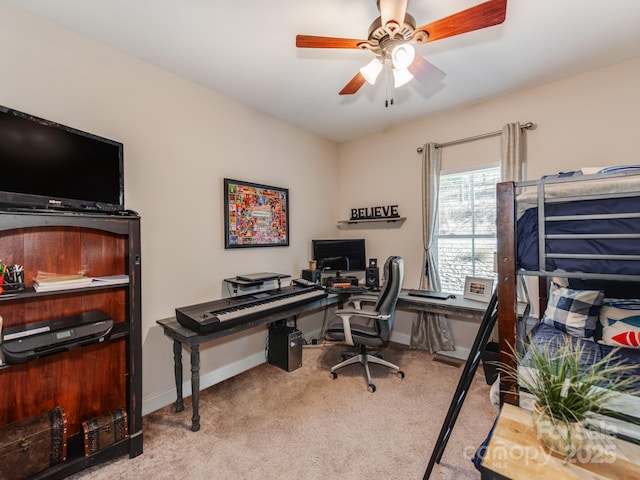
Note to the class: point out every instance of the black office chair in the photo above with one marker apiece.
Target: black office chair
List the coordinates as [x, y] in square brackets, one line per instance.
[364, 328]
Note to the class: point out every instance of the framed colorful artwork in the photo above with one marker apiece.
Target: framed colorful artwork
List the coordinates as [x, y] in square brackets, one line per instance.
[255, 215]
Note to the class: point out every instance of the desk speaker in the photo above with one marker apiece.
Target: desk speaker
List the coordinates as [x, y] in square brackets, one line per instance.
[372, 278]
[314, 276]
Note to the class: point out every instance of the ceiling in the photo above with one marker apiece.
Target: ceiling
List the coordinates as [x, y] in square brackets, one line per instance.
[245, 49]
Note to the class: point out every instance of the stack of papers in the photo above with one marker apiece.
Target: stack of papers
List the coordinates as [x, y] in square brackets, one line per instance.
[46, 283]
[109, 280]
[51, 283]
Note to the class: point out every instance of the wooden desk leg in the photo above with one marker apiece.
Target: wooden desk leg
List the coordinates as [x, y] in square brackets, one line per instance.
[195, 387]
[177, 369]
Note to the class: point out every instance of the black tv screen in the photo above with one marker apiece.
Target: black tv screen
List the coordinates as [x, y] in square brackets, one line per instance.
[47, 165]
[340, 254]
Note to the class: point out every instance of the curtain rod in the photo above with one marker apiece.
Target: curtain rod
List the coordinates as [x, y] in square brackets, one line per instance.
[526, 126]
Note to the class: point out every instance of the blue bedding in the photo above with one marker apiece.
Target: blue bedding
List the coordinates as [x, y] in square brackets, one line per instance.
[527, 237]
[545, 335]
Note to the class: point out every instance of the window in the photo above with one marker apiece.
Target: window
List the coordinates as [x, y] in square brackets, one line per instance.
[465, 236]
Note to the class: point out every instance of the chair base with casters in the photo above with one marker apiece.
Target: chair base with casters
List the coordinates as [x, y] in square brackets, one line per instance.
[369, 327]
[364, 357]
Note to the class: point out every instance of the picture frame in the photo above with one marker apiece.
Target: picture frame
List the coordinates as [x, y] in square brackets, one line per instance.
[477, 288]
[255, 215]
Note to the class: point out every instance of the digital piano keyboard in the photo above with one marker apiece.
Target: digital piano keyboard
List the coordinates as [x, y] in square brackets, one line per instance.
[217, 315]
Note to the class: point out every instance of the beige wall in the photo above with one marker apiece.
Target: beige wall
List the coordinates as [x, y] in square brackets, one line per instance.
[181, 140]
[588, 120]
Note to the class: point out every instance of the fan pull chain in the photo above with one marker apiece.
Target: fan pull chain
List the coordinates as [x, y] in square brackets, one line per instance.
[387, 79]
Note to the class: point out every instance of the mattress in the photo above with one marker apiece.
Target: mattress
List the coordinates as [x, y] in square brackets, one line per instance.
[623, 416]
[622, 181]
[548, 337]
[527, 237]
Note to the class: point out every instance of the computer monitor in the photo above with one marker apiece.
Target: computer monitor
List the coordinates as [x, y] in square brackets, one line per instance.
[340, 254]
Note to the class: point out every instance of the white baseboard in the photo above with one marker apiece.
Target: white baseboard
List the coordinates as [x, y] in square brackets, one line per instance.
[460, 353]
[402, 338]
[168, 396]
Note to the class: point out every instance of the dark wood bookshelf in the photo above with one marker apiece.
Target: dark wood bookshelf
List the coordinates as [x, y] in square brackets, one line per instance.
[91, 380]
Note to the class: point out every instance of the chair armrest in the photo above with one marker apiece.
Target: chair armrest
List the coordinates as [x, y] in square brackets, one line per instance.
[358, 300]
[346, 313]
[351, 312]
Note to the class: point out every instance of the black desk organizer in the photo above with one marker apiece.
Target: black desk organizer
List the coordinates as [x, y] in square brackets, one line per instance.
[12, 279]
[238, 282]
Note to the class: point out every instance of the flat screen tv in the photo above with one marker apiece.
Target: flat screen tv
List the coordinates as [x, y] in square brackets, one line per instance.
[340, 254]
[47, 165]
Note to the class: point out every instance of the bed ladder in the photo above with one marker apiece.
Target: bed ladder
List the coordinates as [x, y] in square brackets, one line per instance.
[470, 367]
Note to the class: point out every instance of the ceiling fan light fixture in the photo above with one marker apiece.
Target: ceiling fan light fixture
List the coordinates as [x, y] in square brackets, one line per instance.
[402, 56]
[392, 37]
[401, 77]
[371, 70]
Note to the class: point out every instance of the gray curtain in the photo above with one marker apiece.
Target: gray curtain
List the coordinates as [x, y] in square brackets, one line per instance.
[430, 331]
[512, 164]
[512, 160]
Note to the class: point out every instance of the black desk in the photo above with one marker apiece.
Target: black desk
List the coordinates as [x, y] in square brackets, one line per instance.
[459, 307]
[456, 307]
[184, 336]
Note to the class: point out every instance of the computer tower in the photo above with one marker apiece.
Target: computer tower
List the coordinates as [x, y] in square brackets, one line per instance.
[285, 347]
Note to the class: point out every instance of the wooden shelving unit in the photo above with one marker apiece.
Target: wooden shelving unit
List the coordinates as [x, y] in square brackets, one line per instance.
[88, 381]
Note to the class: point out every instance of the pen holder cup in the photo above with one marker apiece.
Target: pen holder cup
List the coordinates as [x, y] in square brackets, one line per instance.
[12, 282]
[11, 287]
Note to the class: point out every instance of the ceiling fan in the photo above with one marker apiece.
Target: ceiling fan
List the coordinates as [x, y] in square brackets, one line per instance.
[393, 34]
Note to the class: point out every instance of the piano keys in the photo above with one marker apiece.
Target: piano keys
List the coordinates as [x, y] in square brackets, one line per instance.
[217, 315]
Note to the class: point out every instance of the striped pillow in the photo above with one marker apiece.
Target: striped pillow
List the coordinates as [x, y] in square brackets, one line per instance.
[573, 311]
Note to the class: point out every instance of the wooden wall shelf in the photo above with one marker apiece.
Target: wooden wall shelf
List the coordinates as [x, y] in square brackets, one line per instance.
[373, 222]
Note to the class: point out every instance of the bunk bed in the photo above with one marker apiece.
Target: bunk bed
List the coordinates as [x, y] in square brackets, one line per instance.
[579, 237]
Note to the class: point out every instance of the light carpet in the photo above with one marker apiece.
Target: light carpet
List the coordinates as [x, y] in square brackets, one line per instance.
[267, 423]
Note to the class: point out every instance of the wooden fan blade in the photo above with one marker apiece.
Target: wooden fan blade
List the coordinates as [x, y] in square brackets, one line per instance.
[354, 85]
[484, 15]
[310, 41]
[425, 72]
[393, 11]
